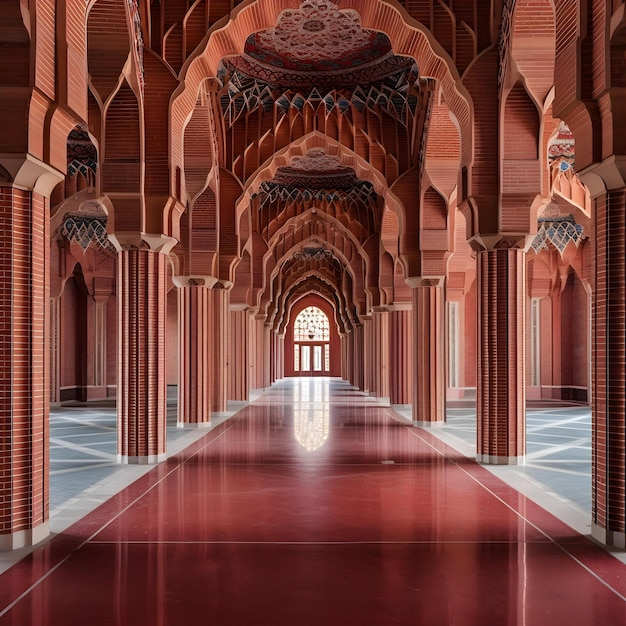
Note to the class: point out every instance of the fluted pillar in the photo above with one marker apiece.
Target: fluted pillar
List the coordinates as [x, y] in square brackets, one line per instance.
[97, 347]
[267, 355]
[358, 359]
[368, 354]
[381, 352]
[260, 351]
[428, 351]
[141, 385]
[219, 347]
[609, 370]
[24, 367]
[401, 354]
[279, 367]
[501, 392]
[195, 359]
[238, 353]
[55, 349]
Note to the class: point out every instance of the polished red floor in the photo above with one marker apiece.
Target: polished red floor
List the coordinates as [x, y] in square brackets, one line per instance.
[313, 506]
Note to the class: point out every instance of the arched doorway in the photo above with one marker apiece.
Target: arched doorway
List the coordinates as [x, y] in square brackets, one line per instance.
[306, 353]
[311, 343]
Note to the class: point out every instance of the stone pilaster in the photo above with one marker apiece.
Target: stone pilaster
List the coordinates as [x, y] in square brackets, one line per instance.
[141, 385]
[428, 351]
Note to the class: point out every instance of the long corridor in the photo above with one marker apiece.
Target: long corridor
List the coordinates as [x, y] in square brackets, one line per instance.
[314, 505]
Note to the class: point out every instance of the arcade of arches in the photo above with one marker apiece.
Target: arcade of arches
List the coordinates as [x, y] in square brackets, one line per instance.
[439, 186]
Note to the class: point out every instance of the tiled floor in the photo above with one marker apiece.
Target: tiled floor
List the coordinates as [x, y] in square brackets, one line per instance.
[315, 505]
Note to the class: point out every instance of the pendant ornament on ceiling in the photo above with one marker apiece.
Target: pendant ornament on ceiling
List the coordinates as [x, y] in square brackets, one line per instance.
[319, 179]
[556, 230]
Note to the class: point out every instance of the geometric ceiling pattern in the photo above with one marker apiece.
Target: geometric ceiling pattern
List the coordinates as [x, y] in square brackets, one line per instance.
[81, 153]
[318, 179]
[318, 53]
[558, 231]
[87, 227]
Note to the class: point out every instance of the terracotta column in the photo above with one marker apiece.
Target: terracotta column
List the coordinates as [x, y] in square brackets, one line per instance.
[501, 392]
[273, 356]
[238, 360]
[141, 383]
[381, 352]
[267, 355]
[401, 354]
[194, 336]
[280, 357]
[55, 352]
[24, 367]
[428, 351]
[260, 352]
[96, 347]
[368, 354]
[358, 360]
[219, 347]
[609, 370]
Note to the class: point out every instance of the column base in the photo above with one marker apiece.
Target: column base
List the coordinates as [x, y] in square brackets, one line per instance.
[141, 460]
[24, 538]
[193, 425]
[428, 424]
[488, 459]
[608, 537]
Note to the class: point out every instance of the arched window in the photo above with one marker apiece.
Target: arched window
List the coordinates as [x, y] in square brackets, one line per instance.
[311, 334]
[311, 325]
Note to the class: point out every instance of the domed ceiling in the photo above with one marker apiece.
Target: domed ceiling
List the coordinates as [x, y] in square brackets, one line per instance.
[319, 180]
[319, 46]
[316, 170]
[319, 70]
[313, 53]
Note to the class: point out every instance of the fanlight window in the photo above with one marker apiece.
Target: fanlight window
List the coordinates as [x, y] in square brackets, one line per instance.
[312, 325]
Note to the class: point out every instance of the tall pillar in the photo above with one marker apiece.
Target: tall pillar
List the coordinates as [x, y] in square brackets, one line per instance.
[219, 347]
[358, 359]
[279, 369]
[96, 347]
[142, 310]
[267, 355]
[273, 357]
[609, 371]
[501, 391]
[24, 367]
[55, 349]
[346, 340]
[259, 351]
[381, 352]
[368, 354]
[401, 354]
[429, 384]
[238, 360]
[194, 336]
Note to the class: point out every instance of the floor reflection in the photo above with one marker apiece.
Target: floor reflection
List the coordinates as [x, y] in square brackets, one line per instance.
[311, 412]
